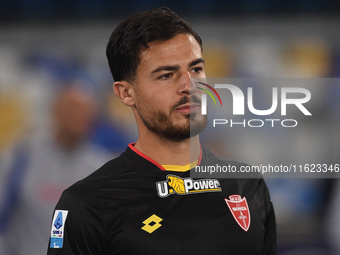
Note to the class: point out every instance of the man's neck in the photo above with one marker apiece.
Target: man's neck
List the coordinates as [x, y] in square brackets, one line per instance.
[168, 152]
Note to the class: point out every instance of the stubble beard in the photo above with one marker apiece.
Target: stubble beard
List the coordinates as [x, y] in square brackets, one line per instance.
[162, 125]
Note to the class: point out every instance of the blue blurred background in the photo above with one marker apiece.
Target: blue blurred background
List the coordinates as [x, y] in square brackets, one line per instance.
[58, 110]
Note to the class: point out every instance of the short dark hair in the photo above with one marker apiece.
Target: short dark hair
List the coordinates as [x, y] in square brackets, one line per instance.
[133, 35]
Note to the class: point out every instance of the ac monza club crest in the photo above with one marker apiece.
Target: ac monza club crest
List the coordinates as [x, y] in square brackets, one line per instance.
[239, 209]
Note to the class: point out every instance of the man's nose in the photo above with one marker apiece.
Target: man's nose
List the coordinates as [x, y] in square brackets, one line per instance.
[186, 86]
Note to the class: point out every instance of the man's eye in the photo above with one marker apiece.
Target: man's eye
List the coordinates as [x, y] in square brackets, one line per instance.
[197, 69]
[165, 76]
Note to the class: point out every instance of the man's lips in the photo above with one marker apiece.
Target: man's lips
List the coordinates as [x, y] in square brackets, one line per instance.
[188, 108]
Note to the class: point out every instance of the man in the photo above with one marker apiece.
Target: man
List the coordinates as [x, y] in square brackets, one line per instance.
[144, 202]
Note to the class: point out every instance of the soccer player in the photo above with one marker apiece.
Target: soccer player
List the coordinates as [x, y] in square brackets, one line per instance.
[144, 201]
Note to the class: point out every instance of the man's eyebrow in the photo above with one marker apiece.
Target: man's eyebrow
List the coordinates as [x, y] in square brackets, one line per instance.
[196, 61]
[165, 68]
[176, 67]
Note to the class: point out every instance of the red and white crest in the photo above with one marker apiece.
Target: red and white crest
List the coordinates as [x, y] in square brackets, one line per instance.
[239, 209]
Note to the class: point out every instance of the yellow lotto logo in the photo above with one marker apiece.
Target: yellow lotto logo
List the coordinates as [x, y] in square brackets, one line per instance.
[152, 223]
[184, 186]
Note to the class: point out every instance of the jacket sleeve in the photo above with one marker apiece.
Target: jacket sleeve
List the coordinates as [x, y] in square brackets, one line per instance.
[77, 225]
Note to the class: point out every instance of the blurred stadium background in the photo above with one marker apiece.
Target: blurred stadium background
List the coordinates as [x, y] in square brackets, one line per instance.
[47, 45]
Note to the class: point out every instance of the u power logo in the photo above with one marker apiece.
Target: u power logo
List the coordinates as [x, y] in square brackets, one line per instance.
[185, 186]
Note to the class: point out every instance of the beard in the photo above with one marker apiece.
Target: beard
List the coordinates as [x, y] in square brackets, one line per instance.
[161, 124]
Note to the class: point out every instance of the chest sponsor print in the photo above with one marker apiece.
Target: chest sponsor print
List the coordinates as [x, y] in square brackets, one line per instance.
[184, 186]
[239, 209]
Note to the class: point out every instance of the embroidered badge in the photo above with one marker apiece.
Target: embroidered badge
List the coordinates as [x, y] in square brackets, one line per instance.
[57, 229]
[239, 209]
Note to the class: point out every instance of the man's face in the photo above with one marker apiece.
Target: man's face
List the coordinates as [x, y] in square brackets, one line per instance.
[166, 101]
[74, 113]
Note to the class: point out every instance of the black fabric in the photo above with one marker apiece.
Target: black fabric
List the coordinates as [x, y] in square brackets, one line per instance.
[106, 212]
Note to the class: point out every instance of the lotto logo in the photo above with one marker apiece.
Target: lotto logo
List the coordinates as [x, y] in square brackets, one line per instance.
[152, 223]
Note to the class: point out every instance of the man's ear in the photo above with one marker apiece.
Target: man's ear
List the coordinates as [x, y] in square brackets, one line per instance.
[124, 91]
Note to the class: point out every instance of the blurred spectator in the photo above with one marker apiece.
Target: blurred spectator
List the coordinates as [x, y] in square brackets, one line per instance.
[42, 167]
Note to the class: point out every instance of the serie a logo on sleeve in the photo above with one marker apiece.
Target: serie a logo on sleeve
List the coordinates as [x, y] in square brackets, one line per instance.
[239, 209]
[57, 229]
